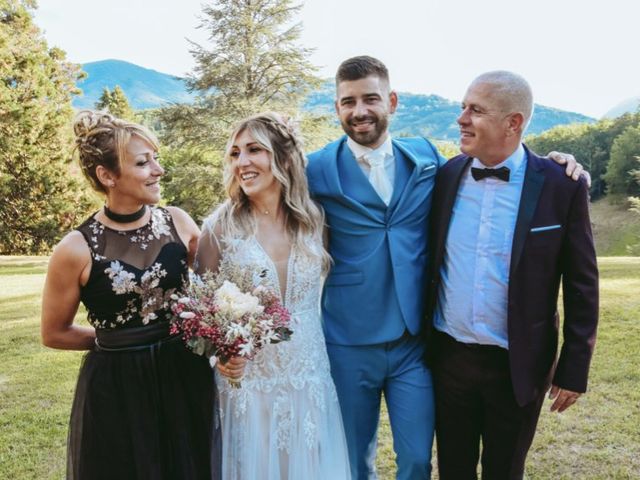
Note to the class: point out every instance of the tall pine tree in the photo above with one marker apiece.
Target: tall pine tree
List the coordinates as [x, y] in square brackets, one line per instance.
[253, 64]
[40, 198]
[116, 103]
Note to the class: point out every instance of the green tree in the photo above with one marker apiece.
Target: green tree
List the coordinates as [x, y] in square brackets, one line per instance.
[590, 144]
[105, 100]
[635, 204]
[41, 197]
[624, 153]
[447, 149]
[636, 175]
[116, 103]
[252, 64]
[318, 130]
[568, 138]
[192, 180]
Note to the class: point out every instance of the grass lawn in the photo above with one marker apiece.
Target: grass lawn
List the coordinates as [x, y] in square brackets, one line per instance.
[599, 438]
[616, 229]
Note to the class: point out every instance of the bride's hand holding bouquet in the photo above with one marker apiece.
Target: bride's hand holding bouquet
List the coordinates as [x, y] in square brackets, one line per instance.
[233, 370]
[229, 315]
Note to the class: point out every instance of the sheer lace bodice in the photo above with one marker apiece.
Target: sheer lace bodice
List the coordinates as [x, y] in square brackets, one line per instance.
[144, 404]
[133, 272]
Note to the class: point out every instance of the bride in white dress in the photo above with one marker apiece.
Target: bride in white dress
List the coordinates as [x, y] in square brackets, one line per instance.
[284, 422]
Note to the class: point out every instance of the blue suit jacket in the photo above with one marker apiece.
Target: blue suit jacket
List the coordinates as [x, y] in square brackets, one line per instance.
[373, 292]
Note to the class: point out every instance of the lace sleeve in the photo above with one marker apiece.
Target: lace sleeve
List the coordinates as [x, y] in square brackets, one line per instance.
[209, 249]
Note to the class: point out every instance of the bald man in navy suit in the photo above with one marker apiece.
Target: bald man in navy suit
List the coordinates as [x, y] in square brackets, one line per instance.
[507, 228]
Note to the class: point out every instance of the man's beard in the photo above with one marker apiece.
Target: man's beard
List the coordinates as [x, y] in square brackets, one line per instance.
[370, 137]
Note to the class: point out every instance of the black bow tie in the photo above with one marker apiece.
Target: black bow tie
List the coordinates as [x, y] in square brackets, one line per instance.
[501, 173]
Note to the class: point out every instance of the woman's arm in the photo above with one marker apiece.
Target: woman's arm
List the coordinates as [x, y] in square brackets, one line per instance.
[209, 253]
[207, 259]
[187, 229]
[69, 268]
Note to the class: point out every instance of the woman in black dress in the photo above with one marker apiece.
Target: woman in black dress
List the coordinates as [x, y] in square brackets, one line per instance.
[144, 406]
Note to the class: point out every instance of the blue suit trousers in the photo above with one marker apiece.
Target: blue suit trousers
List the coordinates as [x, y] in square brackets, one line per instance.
[396, 369]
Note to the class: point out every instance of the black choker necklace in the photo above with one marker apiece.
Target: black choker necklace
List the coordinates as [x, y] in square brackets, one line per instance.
[127, 218]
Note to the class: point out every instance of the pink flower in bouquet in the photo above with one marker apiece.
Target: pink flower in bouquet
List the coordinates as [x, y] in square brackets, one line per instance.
[223, 318]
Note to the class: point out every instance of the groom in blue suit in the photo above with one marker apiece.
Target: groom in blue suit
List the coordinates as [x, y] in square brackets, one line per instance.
[376, 194]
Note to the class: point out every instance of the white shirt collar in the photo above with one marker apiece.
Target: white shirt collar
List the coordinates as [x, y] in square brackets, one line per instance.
[360, 150]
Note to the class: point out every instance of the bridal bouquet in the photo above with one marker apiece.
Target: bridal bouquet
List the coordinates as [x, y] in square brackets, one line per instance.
[225, 315]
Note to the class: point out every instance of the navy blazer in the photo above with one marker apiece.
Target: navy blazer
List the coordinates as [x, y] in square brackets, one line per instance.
[552, 242]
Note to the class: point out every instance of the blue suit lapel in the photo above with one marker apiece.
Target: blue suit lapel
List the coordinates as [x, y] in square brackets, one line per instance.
[332, 181]
[344, 178]
[404, 167]
[531, 189]
[355, 184]
[407, 172]
[330, 166]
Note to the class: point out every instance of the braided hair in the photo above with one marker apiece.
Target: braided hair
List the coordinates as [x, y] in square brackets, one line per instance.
[101, 140]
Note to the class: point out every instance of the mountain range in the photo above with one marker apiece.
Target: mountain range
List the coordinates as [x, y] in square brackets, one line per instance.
[629, 105]
[145, 88]
[427, 115]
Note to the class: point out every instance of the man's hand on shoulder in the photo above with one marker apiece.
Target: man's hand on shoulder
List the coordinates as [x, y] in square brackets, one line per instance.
[562, 398]
[573, 169]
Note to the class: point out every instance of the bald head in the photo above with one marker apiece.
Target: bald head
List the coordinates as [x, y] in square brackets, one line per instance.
[511, 92]
[495, 112]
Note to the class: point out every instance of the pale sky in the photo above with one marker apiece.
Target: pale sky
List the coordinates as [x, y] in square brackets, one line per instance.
[578, 55]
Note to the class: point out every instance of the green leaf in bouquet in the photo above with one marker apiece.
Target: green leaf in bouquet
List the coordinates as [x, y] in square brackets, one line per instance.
[197, 345]
[210, 350]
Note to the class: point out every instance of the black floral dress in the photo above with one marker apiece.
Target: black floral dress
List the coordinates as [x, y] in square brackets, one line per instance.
[144, 405]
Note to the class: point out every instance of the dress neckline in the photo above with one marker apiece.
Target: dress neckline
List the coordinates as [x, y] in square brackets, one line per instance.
[283, 296]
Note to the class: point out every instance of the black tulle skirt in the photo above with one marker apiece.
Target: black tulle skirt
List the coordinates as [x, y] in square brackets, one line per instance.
[145, 408]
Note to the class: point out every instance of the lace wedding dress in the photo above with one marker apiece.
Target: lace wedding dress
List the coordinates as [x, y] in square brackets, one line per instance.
[284, 422]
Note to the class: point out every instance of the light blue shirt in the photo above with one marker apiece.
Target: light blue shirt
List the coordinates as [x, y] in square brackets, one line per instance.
[473, 296]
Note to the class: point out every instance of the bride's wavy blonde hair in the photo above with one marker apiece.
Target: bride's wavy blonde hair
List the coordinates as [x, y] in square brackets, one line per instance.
[303, 218]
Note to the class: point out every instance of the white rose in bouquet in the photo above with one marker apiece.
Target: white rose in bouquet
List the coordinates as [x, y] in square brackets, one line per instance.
[232, 301]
